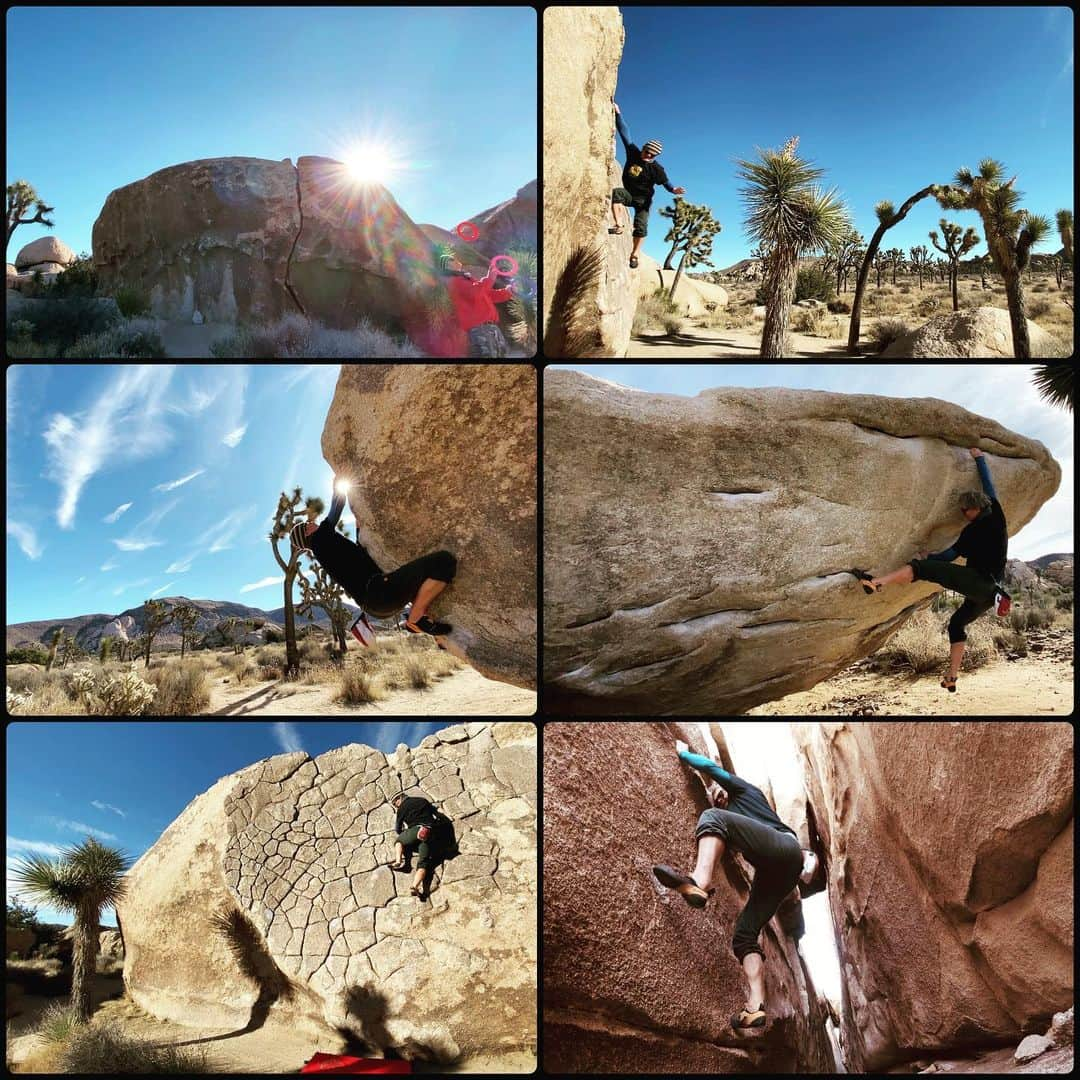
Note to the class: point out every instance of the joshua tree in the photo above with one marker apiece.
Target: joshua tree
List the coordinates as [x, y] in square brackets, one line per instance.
[1054, 381]
[881, 262]
[83, 881]
[789, 216]
[69, 650]
[696, 242]
[287, 515]
[955, 246]
[54, 644]
[1011, 233]
[19, 197]
[105, 649]
[186, 617]
[326, 594]
[895, 259]
[684, 218]
[156, 616]
[1065, 228]
[920, 257]
[842, 255]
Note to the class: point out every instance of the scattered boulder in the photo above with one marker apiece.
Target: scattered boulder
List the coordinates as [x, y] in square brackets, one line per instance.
[1061, 572]
[509, 225]
[754, 600]
[12, 275]
[292, 852]
[111, 945]
[471, 491]
[1061, 1028]
[585, 315]
[46, 250]
[1017, 572]
[1031, 1047]
[976, 332]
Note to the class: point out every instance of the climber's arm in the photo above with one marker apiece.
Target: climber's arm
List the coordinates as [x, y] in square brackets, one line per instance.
[984, 476]
[337, 504]
[731, 783]
[624, 134]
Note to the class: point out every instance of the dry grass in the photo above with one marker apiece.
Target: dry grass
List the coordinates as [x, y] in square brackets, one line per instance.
[883, 332]
[359, 687]
[239, 666]
[921, 645]
[182, 688]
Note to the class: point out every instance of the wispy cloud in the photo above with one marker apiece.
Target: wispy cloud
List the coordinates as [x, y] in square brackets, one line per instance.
[265, 583]
[180, 566]
[109, 564]
[108, 806]
[81, 827]
[138, 545]
[171, 485]
[140, 538]
[111, 519]
[163, 588]
[123, 424]
[131, 585]
[233, 437]
[26, 538]
[37, 847]
[215, 538]
[287, 736]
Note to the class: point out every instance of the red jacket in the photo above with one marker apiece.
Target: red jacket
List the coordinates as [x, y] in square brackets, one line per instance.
[475, 299]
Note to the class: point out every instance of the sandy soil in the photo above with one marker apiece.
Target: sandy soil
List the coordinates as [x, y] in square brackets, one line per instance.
[464, 693]
[1032, 686]
[719, 343]
[1058, 1060]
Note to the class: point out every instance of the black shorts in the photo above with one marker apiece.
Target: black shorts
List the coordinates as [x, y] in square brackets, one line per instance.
[387, 594]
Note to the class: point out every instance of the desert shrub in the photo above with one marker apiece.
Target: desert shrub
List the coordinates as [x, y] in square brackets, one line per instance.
[271, 672]
[927, 306]
[238, 665]
[905, 289]
[78, 280]
[269, 654]
[131, 302]
[57, 1022]
[311, 650]
[104, 1048]
[27, 654]
[317, 674]
[807, 320]
[1007, 640]
[417, 673]
[813, 284]
[182, 689]
[915, 647]
[133, 338]
[980, 646]
[60, 324]
[839, 307]
[1040, 286]
[295, 337]
[656, 312]
[1064, 602]
[1036, 309]
[359, 687]
[124, 695]
[885, 331]
[273, 635]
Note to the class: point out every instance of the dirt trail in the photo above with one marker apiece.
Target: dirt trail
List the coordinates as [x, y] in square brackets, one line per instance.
[1032, 686]
[695, 342]
[464, 693]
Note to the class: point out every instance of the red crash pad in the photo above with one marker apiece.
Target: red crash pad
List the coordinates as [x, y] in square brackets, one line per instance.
[340, 1063]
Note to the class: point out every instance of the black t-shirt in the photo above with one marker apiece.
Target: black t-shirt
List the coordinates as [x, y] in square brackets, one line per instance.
[414, 811]
[985, 542]
[640, 177]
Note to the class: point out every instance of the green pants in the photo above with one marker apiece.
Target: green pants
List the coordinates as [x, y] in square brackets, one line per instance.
[429, 851]
[641, 207]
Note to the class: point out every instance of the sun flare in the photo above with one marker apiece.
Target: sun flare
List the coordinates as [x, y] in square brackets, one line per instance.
[370, 163]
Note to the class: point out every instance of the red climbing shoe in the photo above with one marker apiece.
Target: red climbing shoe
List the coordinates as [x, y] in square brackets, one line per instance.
[363, 631]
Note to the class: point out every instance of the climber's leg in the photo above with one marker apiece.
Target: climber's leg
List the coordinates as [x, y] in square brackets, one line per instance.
[641, 230]
[754, 966]
[418, 582]
[965, 614]
[424, 596]
[710, 850]
[619, 197]
[904, 576]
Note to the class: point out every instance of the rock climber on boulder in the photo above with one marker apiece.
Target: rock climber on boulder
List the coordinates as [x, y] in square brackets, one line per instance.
[474, 301]
[379, 594]
[420, 827]
[985, 545]
[641, 173]
[742, 820]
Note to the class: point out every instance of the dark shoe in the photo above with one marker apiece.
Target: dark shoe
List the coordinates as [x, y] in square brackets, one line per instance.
[685, 886]
[633, 262]
[424, 625]
[617, 231]
[949, 683]
[864, 577]
[745, 1019]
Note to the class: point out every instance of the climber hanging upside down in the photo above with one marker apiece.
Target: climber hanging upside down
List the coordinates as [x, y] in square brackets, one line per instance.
[379, 594]
[742, 820]
[985, 544]
[641, 174]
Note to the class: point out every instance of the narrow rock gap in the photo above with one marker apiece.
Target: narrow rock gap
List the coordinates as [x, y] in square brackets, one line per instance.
[296, 239]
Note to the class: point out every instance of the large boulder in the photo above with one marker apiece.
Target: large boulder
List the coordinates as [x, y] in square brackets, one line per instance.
[291, 854]
[45, 249]
[977, 332]
[1017, 572]
[635, 981]
[694, 298]
[950, 879]
[589, 292]
[470, 488]
[1060, 572]
[111, 945]
[509, 225]
[696, 549]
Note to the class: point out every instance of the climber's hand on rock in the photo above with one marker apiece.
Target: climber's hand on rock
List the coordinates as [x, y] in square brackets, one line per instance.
[616, 108]
[975, 452]
[680, 191]
[680, 746]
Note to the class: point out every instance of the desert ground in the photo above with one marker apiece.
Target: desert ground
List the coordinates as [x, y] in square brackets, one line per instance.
[734, 331]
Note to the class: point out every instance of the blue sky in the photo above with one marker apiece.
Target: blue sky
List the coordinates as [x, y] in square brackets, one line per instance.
[130, 481]
[886, 100]
[125, 783]
[1002, 392]
[452, 90]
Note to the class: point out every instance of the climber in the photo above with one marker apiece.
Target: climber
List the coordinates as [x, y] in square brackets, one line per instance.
[419, 825]
[383, 595]
[984, 543]
[742, 819]
[474, 301]
[641, 174]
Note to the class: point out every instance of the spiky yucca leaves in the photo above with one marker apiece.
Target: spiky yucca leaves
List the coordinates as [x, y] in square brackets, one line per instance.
[841, 255]
[86, 879]
[1011, 233]
[1064, 220]
[521, 309]
[1055, 383]
[958, 243]
[696, 241]
[571, 330]
[920, 258]
[788, 215]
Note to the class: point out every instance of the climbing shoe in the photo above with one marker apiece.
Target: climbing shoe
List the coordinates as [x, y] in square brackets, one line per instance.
[616, 231]
[747, 1019]
[685, 886]
[424, 625]
[633, 262]
[864, 577]
[949, 683]
[363, 631]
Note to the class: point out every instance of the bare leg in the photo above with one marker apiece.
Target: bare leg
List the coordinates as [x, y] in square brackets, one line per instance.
[754, 967]
[956, 655]
[710, 851]
[638, 241]
[418, 880]
[399, 852]
[615, 213]
[426, 593]
[904, 576]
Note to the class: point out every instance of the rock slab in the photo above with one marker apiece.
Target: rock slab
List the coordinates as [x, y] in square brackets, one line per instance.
[1031, 1047]
[471, 489]
[46, 249]
[695, 549]
[293, 849]
[978, 332]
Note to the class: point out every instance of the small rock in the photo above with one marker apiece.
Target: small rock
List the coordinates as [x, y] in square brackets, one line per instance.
[1032, 1047]
[931, 1068]
[1061, 1028]
[197, 318]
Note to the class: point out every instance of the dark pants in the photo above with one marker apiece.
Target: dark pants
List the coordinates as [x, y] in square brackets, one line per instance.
[777, 861]
[429, 852]
[641, 207]
[486, 340]
[977, 588]
[387, 594]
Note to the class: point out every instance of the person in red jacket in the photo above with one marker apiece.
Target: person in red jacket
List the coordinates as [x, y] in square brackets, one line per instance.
[474, 302]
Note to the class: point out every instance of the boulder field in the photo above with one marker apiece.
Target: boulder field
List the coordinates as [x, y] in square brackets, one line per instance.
[269, 898]
[696, 549]
[979, 332]
[444, 457]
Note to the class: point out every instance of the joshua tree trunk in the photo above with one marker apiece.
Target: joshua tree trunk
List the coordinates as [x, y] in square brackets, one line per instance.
[678, 274]
[292, 654]
[780, 290]
[955, 300]
[83, 959]
[1014, 293]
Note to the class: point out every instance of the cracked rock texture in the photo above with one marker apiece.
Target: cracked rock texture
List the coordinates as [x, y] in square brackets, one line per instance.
[635, 981]
[695, 548]
[471, 489]
[951, 879]
[582, 49]
[299, 844]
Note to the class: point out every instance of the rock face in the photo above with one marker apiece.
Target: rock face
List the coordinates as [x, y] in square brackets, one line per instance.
[978, 332]
[585, 314]
[950, 886]
[472, 491]
[510, 225]
[1019, 573]
[1060, 572]
[635, 981]
[695, 549]
[293, 850]
[46, 249]
[1031, 1047]
[111, 945]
